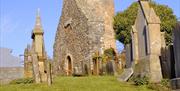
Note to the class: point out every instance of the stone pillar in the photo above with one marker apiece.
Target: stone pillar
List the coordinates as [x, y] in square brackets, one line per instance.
[49, 73]
[35, 67]
[135, 44]
[155, 51]
[42, 70]
[28, 71]
[25, 63]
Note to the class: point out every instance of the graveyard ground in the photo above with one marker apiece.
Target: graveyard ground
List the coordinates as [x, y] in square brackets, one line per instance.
[103, 83]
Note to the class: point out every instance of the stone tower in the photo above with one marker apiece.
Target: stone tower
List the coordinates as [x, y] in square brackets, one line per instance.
[85, 27]
[37, 36]
[38, 47]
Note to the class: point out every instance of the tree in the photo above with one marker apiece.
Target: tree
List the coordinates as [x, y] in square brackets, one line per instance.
[124, 20]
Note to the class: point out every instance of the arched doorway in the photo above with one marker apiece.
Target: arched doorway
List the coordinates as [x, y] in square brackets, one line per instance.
[69, 66]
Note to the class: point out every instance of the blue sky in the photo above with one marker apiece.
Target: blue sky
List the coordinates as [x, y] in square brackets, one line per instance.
[17, 19]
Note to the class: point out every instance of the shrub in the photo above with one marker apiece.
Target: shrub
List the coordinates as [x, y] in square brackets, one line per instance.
[110, 53]
[165, 83]
[141, 80]
[162, 86]
[22, 81]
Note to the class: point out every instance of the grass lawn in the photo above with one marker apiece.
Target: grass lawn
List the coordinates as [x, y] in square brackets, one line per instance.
[101, 83]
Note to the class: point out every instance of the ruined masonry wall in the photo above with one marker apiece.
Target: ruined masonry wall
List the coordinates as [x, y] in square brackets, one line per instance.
[84, 28]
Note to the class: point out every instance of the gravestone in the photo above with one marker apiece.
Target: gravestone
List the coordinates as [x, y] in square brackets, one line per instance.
[177, 49]
[128, 71]
[175, 83]
[167, 62]
[128, 48]
[109, 68]
[146, 43]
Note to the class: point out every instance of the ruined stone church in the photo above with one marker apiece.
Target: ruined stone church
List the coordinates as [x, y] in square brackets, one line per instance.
[85, 27]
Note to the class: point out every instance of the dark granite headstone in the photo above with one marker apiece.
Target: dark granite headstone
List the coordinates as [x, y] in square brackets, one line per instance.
[176, 39]
[177, 49]
[167, 62]
[175, 83]
[109, 68]
[129, 54]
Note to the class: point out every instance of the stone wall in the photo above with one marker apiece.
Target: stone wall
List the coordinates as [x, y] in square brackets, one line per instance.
[71, 37]
[109, 36]
[8, 74]
[82, 31]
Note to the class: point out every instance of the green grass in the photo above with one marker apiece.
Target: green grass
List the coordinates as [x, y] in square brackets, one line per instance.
[103, 83]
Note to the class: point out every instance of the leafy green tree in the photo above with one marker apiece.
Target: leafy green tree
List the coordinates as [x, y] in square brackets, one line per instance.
[124, 20]
[110, 53]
